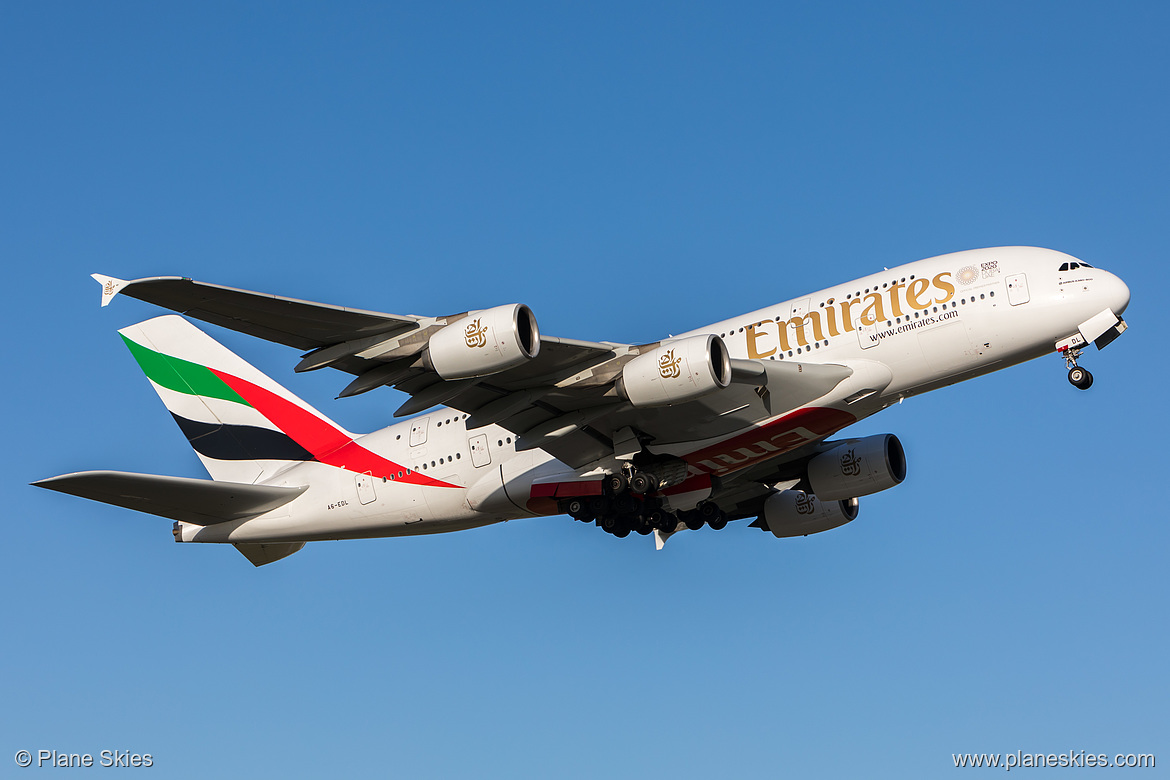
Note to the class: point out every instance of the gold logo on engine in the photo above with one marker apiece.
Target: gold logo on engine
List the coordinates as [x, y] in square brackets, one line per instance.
[668, 365]
[475, 334]
[850, 464]
[805, 505]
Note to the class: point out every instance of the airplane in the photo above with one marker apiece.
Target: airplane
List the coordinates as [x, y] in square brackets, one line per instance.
[727, 422]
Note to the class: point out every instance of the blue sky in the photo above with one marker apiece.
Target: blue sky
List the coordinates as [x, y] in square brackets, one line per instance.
[628, 170]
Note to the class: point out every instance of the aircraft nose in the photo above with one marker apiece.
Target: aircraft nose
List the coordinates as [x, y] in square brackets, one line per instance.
[1118, 294]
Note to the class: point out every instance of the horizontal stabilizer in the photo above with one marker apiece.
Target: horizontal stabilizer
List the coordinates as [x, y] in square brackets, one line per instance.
[197, 501]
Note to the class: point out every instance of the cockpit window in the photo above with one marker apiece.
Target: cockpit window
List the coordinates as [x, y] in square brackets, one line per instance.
[1064, 267]
[1074, 266]
[1085, 265]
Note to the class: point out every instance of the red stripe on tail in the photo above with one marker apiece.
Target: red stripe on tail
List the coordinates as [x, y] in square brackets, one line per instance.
[324, 441]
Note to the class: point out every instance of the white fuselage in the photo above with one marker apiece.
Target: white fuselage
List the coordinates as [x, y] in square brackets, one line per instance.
[920, 326]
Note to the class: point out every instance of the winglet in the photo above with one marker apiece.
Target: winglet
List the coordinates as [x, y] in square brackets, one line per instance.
[110, 287]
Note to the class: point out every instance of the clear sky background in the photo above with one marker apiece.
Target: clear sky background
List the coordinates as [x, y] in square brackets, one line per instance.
[628, 170]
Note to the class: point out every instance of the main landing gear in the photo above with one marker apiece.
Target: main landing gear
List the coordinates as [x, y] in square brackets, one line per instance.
[1078, 377]
[625, 509]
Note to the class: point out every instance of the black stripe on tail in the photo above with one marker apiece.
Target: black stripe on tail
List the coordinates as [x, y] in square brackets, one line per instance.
[240, 442]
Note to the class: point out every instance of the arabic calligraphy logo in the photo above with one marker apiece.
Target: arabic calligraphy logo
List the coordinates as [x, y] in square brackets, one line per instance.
[109, 290]
[968, 274]
[805, 504]
[475, 334]
[668, 365]
[850, 464]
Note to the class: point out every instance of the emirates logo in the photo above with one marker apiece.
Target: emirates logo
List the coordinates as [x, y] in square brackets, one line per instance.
[668, 365]
[805, 504]
[109, 288]
[475, 334]
[850, 464]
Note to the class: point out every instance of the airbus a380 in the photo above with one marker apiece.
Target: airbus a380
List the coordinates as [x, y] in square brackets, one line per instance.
[726, 422]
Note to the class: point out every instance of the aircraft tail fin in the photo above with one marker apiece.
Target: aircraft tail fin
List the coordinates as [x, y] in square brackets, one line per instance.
[243, 426]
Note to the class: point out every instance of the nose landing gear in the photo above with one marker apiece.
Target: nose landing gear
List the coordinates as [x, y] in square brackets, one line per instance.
[1078, 377]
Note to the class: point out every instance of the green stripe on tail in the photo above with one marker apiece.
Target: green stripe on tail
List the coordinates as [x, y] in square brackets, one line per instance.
[180, 375]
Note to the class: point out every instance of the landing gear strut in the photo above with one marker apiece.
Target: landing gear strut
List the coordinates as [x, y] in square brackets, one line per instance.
[1080, 378]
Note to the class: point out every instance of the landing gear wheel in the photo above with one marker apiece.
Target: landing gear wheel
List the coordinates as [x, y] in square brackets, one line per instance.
[576, 508]
[708, 511]
[1080, 378]
[718, 522]
[642, 483]
[663, 520]
[608, 523]
[616, 483]
[693, 520]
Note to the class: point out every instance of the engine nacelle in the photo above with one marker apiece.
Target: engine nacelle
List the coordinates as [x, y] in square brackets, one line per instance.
[676, 371]
[796, 513]
[485, 342]
[858, 467]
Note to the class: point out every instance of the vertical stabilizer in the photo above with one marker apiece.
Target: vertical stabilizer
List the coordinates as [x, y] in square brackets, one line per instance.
[243, 426]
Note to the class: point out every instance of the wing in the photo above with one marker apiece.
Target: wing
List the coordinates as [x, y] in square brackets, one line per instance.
[288, 321]
[562, 401]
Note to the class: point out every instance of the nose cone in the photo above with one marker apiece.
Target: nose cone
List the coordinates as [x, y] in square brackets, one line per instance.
[1117, 293]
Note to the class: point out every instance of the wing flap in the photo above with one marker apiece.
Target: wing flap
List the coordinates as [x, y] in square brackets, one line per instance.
[196, 501]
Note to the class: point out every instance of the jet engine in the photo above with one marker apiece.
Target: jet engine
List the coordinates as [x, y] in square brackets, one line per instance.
[676, 371]
[796, 513]
[485, 342]
[858, 467]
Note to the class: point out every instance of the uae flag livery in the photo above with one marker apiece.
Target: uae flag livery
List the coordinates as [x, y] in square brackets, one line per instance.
[233, 415]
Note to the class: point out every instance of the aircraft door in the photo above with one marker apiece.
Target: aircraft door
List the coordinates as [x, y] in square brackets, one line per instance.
[798, 309]
[479, 450]
[866, 334]
[418, 432]
[1017, 289]
[365, 488]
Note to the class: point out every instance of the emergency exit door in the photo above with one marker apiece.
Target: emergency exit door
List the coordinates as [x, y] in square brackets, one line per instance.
[365, 488]
[479, 450]
[1017, 288]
